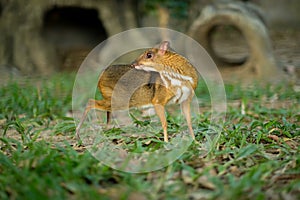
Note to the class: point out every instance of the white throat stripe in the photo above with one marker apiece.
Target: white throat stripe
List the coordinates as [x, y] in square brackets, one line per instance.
[174, 75]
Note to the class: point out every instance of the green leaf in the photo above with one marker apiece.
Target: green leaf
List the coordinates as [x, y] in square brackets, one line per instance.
[246, 151]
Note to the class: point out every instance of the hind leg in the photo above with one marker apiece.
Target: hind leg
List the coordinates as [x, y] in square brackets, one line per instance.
[93, 104]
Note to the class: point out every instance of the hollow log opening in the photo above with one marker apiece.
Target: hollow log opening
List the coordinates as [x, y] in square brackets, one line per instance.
[228, 45]
[74, 32]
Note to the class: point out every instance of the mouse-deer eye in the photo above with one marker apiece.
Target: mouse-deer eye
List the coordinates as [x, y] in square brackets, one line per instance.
[149, 55]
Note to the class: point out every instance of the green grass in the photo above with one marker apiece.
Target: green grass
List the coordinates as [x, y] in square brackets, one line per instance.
[257, 155]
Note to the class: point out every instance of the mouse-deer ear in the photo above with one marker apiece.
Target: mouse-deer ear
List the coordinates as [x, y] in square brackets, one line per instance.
[163, 47]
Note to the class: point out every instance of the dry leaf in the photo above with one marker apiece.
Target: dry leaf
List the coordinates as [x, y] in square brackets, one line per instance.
[186, 177]
[274, 137]
[235, 171]
[204, 182]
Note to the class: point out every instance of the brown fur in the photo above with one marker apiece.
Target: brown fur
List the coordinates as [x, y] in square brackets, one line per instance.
[138, 86]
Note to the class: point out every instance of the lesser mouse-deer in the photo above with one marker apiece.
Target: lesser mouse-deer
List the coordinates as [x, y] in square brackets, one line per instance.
[162, 77]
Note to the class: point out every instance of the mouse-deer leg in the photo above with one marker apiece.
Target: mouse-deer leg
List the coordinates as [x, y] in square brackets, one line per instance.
[160, 111]
[93, 104]
[186, 109]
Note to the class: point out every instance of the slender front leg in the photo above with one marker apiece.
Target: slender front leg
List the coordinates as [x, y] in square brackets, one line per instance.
[160, 111]
[185, 106]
